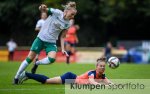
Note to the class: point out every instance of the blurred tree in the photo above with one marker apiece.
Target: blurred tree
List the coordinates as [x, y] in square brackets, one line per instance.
[17, 20]
[126, 20]
[99, 20]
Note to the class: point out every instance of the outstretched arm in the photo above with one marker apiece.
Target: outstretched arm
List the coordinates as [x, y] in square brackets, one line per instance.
[63, 35]
[92, 81]
[104, 81]
[107, 81]
[44, 8]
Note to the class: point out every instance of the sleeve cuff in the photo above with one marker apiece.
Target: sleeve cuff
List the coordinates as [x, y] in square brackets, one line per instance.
[49, 11]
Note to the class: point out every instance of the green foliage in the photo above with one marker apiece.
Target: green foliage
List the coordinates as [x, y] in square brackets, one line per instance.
[54, 3]
[17, 17]
[99, 20]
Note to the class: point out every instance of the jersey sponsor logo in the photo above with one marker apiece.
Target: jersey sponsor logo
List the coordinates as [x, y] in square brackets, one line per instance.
[66, 25]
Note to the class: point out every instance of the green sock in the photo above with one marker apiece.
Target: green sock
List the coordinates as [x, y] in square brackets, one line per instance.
[28, 60]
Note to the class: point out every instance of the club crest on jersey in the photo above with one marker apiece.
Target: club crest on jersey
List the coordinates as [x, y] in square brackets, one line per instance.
[66, 25]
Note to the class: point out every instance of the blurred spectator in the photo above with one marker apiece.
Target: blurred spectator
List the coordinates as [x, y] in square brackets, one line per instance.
[71, 40]
[137, 54]
[11, 44]
[121, 47]
[108, 50]
[41, 21]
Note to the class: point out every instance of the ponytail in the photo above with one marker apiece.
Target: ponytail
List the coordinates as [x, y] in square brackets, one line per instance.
[69, 5]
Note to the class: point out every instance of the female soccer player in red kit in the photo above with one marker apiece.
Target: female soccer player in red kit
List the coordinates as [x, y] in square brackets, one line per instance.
[71, 40]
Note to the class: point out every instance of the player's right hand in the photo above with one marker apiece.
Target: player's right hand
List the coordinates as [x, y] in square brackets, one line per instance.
[64, 52]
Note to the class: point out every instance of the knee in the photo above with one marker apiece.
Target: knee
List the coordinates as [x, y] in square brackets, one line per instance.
[51, 60]
[31, 55]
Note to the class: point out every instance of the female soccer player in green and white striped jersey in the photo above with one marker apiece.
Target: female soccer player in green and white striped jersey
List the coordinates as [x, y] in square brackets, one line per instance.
[58, 22]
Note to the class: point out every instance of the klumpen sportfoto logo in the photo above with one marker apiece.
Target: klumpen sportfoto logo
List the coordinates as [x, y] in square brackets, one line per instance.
[119, 86]
[86, 86]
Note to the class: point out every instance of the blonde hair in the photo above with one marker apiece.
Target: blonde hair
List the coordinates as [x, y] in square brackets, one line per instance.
[69, 5]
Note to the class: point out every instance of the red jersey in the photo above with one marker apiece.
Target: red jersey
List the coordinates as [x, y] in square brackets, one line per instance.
[70, 36]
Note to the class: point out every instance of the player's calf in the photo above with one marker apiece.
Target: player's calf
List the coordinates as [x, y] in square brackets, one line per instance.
[45, 61]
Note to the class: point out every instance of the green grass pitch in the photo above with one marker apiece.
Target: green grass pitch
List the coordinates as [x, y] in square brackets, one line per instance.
[8, 70]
